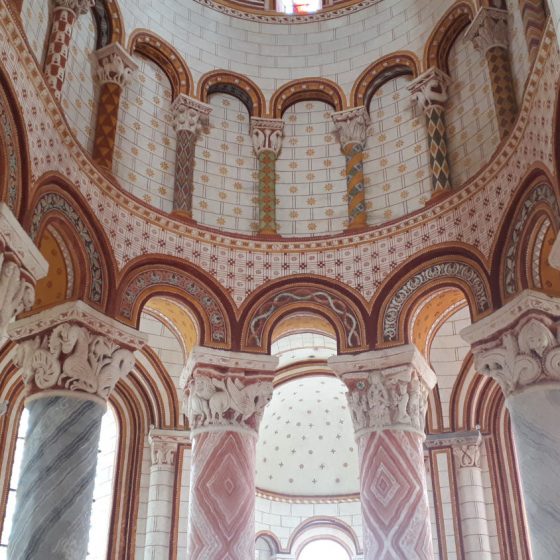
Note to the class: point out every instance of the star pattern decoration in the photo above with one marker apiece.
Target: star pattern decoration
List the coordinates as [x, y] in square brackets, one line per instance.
[306, 441]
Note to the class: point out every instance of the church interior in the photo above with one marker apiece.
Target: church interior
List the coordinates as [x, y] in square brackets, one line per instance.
[279, 280]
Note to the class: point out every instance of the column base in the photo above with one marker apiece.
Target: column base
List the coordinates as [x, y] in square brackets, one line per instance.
[438, 196]
[183, 216]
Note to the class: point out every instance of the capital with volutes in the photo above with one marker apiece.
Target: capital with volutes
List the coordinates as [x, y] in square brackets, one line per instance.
[267, 135]
[115, 65]
[429, 90]
[352, 126]
[488, 29]
[189, 114]
[79, 7]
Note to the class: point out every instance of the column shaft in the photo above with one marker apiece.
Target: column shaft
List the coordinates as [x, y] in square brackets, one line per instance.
[59, 49]
[106, 124]
[267, 192]
[355, 184]
[55, 489]
[535, 416]
[437, 141]
[184, 172]
[499, 68]
[394, 497]
[222, 497]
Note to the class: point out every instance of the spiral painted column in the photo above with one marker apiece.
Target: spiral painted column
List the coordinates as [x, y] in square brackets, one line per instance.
[115, 70]
[519, 347]
[70, 359]
[226, 393]
[351, 127]
[21, 264]
[65, 14]
[387, 396]
[267, 142]
[164, 446]
[429, 91]
[189, 117]
[489, 35]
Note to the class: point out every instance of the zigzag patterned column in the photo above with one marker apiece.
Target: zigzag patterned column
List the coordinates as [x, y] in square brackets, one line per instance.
[489, 34]
[65, 14]
[226, 393]
[429, 90]
[519, 347]
[387, 396]
[267, 143]
[70, 359]
[21, 264]
[533, 13]
[114, 72]
[159, 519]
[190, 116]
[351, 127]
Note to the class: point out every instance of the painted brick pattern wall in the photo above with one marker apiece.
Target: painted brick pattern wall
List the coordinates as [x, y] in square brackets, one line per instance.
[448, 533]
[35, 20]
[472, 129]
[225, 175]
[447, 354]
[143, 494]
[431, 497]
[183, 522]
[79, 92]
[145, 140]
[490, 508]
[311, 169]
[396, 158]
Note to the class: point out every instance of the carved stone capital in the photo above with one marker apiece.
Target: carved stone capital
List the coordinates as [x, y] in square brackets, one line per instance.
[519, 345]
[430, 89]
[387, 389]
[115, 65]
[21, 264]
[352, 126]
[79, 7]
[73, 348]
[267, 134]
[164, 444]
[189, 114]
[226, 391]
[554, 257]
[489, 29]
[465, 446]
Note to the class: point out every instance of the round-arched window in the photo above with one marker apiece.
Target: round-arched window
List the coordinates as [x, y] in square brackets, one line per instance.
[325, 549]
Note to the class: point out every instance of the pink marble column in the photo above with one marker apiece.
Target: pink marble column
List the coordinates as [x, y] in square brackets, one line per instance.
[65, 14]
[387, 395]
[226, 393]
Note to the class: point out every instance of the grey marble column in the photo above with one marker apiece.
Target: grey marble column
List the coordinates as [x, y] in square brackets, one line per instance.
[70, 359]
[519, 347]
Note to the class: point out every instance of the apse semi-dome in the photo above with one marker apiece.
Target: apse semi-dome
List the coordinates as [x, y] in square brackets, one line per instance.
[306, 442]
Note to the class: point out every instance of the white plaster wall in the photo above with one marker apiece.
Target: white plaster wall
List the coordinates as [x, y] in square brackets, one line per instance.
[490, 508]
[144, 159]
[225, 175]
[35, 20]
[311, 173]
[143, 500]
[79, 91]
[445, 492]
[184, 505]
[271, 54]
[472, 128]
[396, 162]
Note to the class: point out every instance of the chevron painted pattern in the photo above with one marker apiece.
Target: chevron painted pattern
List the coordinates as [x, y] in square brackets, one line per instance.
[55, 490]
[438, 148]
[267, 192]
[184, 169]
[106, 124]
[222, 516]
[394, 497]
[355, 185]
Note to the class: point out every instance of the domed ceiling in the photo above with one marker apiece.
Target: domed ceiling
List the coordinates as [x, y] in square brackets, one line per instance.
[306, 441]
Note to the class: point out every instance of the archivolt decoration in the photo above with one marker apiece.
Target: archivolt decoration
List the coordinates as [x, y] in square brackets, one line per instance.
[216, 325]
[381, 71]
[445, 34]
[54, 202]
[541, 194]
[108, 19]
[456, 270]
[244, 89]
[346, 318]
[166, 57]
[315, 89]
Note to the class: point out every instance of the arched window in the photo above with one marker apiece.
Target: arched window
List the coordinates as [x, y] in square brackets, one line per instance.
[11, 502]
[103, 488]
[326, 549]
